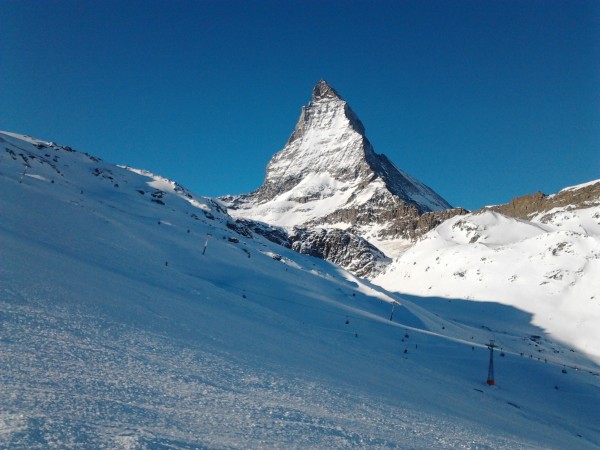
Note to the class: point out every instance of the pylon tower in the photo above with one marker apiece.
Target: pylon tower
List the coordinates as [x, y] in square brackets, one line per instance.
[490, 379]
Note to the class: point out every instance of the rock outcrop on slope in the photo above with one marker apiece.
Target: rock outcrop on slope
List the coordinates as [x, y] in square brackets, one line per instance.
[543, 207]
[328, 176]
[345, 249]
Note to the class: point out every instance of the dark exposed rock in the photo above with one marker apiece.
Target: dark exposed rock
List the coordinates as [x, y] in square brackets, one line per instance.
[323, 90]
[240, 228]
[271, 233]
[339, 247]
[404, 221]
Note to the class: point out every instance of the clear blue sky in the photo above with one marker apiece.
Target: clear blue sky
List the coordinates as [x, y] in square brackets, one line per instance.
[481, 100]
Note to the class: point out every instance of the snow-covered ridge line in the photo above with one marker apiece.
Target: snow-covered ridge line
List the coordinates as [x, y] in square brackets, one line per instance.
[29, 139]
[172, 187]
[580, 186]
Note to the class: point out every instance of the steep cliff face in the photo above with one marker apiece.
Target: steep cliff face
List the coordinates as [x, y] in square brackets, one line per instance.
[329, 176]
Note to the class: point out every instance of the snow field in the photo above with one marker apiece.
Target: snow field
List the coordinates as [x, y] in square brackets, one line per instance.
[116, 331]
[548, 269]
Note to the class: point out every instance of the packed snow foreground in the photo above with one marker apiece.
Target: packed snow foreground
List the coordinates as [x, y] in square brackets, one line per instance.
[135, 314]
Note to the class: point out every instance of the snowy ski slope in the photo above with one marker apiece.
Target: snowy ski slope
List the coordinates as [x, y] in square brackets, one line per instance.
[133, 315]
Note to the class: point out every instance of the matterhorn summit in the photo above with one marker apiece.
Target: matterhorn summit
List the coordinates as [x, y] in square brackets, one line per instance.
[329, 176]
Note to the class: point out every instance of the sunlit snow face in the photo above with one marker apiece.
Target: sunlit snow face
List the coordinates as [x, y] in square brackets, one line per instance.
[549, 269]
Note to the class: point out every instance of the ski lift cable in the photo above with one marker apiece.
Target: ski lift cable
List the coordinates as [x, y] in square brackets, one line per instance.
[373, 318]
[368, 317]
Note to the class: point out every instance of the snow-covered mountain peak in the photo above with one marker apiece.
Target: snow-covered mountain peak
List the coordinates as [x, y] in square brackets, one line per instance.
[327, 116]
[329, 175]
[329, 141]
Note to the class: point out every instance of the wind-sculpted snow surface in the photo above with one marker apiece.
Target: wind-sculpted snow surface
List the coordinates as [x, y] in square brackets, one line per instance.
[135, 314]
[549, 268]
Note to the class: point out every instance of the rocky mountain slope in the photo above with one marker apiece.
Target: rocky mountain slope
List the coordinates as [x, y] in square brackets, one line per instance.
[328, 176]
[136, 314]
[545, 260]
[543, 208]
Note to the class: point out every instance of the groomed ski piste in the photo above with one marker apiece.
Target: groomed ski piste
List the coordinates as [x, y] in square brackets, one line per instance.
[137, 315]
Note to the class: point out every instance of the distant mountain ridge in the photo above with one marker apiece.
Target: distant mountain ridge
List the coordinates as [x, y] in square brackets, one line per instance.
[541, 205]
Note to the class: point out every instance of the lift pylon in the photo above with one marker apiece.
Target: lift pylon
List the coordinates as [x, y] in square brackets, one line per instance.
[490, 379]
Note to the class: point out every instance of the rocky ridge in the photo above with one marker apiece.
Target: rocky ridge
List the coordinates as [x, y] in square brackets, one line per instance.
[543, 207]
